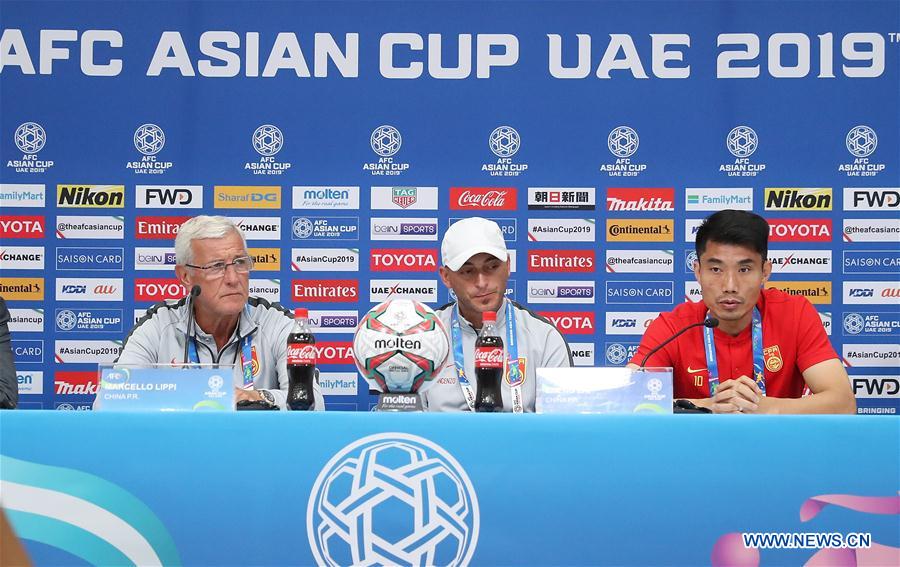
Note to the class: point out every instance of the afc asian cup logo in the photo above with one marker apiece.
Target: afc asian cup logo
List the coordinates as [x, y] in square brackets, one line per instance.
[654, 385]
[861, 141]
[392, 498]
[623, 141]
[742, 141]
[690, 260]
[149, 139]
[386, 141]
[215, 383]
[66, 320]
[30, 138]
[616, 353]
[268, 140]
[853, 323]
[302, 227]
[504, 141]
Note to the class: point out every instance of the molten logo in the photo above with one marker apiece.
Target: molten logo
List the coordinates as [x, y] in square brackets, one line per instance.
[158, 289]
[21, 226]
[386, 260]
[481, 198]
[571, 322]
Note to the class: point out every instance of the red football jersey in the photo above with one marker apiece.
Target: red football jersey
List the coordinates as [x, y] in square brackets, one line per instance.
[793, 340]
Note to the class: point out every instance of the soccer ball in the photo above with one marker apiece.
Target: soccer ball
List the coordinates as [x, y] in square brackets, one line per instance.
[400, 346]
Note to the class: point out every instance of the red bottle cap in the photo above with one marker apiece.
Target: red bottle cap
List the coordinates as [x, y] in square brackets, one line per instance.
[489, 316]
[301, 313]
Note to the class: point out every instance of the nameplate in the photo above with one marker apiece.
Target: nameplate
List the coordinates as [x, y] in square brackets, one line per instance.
[604, 390]
[165, 389]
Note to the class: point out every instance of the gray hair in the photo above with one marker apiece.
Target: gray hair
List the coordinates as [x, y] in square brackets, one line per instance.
[200, 227]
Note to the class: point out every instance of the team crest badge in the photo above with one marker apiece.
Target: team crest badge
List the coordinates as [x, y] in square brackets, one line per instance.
[520, 378]
[772, 356]
[254, 361]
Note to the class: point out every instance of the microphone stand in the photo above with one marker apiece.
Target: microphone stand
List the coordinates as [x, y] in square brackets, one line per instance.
[189, 334]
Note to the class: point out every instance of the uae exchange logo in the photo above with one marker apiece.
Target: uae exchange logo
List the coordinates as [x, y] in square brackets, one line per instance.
[623, 141]
[504, 141]
[149, 139]
[267, 140]
[30, 138]
[66, 320]
[742, 141]
[386, 141]
[862, 141]
[853, 323]
[390, 496]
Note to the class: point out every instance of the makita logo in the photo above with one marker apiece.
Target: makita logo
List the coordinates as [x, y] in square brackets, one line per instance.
[158, 228]
[557, 260]
[798, 199]
[75, 383]
[91, 196]
[800, 230]
[571, 323]
[334, 352]
[158, 289]
[384, 260]
[189, 196]
[326, 290]
[21, 227]
[483, 198]
[398, 343]
[640, 199]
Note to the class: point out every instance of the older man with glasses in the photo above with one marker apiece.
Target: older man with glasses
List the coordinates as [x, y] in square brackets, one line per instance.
[228, 326]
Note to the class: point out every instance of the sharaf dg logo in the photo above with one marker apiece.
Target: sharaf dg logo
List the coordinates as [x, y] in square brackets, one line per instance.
[798, 198]
[247, 197]
[95, 196]
[436, 521]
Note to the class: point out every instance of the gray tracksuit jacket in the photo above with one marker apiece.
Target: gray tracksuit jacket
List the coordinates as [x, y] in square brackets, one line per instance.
[159, 337]
[539, 343]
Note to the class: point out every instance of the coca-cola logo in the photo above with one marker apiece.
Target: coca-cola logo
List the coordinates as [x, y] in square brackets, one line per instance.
[488, 357]
[301, 354]
[483, 198]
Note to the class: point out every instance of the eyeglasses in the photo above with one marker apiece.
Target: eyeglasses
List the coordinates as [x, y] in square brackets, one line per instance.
[214, 270]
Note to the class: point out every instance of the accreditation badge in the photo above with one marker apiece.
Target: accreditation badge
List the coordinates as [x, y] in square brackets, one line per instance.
[520, 378]
[254, 361]
[772, 356]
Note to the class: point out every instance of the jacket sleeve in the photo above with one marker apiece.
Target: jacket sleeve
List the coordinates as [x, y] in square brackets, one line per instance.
[9, 387]
[141, 345]
[556, 352]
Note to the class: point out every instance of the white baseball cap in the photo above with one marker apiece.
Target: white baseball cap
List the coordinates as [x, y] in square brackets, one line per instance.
[472, 236]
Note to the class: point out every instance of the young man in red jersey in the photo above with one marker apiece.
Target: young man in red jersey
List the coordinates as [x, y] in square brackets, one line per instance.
[768, 345]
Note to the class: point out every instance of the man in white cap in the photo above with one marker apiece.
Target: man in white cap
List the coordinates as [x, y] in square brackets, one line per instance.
[476, 267]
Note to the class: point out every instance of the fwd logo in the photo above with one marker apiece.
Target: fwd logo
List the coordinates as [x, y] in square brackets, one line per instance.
[876, 387]
[163, 196]
[875, 199]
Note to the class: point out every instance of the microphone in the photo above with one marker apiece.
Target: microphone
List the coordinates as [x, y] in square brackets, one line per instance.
[195, 291]
[710, 322]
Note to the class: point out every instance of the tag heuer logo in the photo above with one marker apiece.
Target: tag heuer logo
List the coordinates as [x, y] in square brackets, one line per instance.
[403, 197]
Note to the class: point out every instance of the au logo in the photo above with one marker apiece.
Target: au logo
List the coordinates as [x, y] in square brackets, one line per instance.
[772, 356]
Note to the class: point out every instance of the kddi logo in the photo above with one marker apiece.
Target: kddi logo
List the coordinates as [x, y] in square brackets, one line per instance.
[149, 140]
[30, 139]
[504, 143]
[742, 143]
[861, 143]
[623, 142]
[267, 140]
[386, 142]
[164, 196]
[99, 196]
[798, 199]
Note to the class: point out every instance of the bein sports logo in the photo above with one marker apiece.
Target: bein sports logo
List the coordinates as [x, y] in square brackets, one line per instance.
[861, 141]
[623, 141]
[267, 140]
[405, 497]
[386, 140]
[742, 141]
[149, 139]
[30, 138]
[504, 141]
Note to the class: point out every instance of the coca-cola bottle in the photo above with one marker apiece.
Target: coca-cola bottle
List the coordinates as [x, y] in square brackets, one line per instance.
[488, 365]
[301, 362]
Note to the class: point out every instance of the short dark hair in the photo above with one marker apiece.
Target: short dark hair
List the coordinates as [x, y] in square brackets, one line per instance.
[739, 228]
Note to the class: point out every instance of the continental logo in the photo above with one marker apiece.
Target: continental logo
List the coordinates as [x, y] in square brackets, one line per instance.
[266, 259]
[26, 289]
[798, 198]
[640, 230]
[247, 197]
[816, 292]
[91, 196]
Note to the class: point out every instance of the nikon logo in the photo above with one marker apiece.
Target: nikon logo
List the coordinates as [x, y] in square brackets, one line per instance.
[798, 199]
[100, 196]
